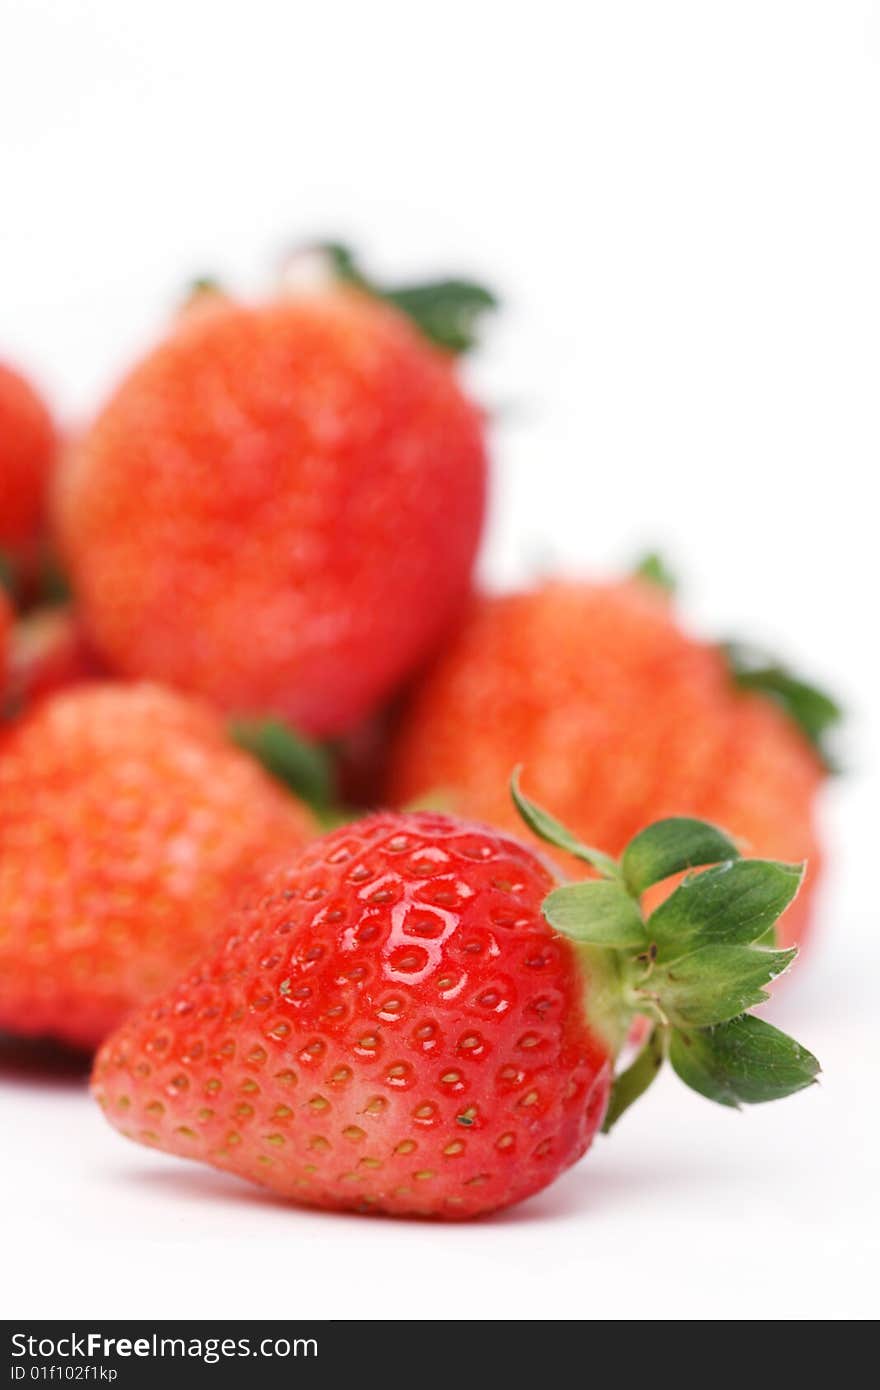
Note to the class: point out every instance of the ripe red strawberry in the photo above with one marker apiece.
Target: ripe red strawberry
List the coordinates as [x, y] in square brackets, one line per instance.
[47, 651]
[624, 719]
[279, 508]
[27, 453]
[393, 1024]
[126, 820]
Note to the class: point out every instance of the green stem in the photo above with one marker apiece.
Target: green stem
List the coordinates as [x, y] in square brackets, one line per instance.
[633, 1082]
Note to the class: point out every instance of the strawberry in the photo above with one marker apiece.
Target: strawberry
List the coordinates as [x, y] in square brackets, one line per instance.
[126, 819]
[411, 1016]
[27, 453]
[47, 650]
[625, 719]
[246, 512]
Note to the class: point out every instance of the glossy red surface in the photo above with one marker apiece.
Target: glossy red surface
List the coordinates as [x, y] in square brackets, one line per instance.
[389, 1026]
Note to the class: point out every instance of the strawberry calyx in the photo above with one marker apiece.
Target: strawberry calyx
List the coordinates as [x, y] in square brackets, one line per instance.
[814, 711]
[695, 965]
[303, 766]
[447, 311]
[653, 569]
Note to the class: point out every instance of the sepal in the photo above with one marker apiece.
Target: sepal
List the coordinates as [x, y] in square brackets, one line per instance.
[305, 768]
[447, 311]
[716, 983]
[743, 1062]
[598, 912]
[635, 1080]
[731, 904]
[670, 847]
[553, 832]
[653, 569]
[814, 711]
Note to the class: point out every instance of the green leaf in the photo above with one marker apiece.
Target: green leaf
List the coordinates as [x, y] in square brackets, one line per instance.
[812, 709]
[344, 264]
[599, 912]
[633, 1082]
[669, 847]
[446, 311]
[654, 570]
[743, 1062]
[716, 983]
[734, 904]
[553, 832]
[304, 767]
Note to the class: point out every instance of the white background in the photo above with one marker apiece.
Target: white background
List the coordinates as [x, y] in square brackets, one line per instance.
[680, 204]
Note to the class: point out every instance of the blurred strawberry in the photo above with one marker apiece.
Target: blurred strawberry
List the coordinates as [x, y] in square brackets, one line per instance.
[280, 507]
[620, 718]
[127, 819]
[28, 445]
